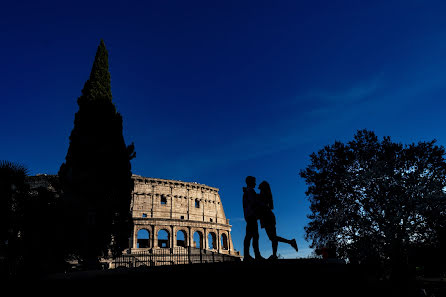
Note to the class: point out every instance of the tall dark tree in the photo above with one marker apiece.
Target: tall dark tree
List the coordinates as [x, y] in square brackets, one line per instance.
[96, 176]
[376, 198]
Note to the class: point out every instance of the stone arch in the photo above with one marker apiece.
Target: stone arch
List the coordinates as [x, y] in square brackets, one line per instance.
[163, 236]
[198, 239]
[212, 240]
[143, 238]
[224, 242]
[181, 238]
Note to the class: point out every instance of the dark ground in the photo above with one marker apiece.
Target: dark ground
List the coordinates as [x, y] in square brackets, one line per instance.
[300, 277]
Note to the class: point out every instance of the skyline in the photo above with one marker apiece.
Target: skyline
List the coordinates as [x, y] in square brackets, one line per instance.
[211, 93]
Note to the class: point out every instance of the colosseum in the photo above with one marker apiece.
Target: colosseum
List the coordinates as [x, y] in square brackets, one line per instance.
[169, 214]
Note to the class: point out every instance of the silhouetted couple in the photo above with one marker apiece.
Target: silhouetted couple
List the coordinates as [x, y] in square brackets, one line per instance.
[259, 207]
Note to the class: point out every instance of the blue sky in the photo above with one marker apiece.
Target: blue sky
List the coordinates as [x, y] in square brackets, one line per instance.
[213, 91]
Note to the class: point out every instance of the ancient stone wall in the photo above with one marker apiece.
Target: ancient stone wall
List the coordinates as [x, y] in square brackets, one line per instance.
[184, 213]
[181, 211]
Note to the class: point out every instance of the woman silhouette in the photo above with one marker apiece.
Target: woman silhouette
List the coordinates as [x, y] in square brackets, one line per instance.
[268, 219]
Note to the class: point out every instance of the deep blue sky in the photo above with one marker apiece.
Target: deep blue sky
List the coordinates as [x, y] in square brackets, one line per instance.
[213, 91]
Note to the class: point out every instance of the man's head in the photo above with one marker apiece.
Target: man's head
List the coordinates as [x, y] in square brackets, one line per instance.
[250, 181]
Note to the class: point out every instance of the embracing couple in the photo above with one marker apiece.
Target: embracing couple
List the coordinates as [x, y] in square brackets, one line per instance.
[259, 207]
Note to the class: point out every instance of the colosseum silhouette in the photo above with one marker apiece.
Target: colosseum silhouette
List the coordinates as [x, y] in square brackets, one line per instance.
[170, 213]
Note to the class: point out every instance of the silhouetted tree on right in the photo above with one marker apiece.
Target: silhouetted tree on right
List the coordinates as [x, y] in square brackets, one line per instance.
[376, 198]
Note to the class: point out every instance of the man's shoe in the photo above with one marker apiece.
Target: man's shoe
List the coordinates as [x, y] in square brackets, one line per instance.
[260, 258]
[248, 258]
[294, 245]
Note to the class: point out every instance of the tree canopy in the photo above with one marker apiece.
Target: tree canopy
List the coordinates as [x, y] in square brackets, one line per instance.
[376, 198]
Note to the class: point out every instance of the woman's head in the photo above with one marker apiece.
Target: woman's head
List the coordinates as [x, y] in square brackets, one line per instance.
[265, 191]
[264, 186]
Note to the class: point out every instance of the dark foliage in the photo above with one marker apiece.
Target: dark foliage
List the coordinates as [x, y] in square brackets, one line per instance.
[42, 229]
[14, 192]
[30, 242]
[96, 176]
[376, 199]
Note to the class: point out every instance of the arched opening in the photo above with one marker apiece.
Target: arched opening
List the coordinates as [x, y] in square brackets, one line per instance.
[163, 238]
[212, 241]
[142, 239]
[224, 242]
[198, 240]
[181, 238]
[163, 200]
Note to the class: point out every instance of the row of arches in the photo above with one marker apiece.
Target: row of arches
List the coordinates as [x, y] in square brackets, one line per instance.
[143, 240]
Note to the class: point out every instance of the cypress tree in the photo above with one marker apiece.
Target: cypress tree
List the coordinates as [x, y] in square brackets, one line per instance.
[96, 176]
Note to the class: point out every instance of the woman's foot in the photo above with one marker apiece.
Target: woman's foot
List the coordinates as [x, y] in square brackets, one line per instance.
[272, 257]
[294, 245]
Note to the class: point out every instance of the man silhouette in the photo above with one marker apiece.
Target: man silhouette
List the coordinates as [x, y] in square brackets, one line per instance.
[250, 211]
